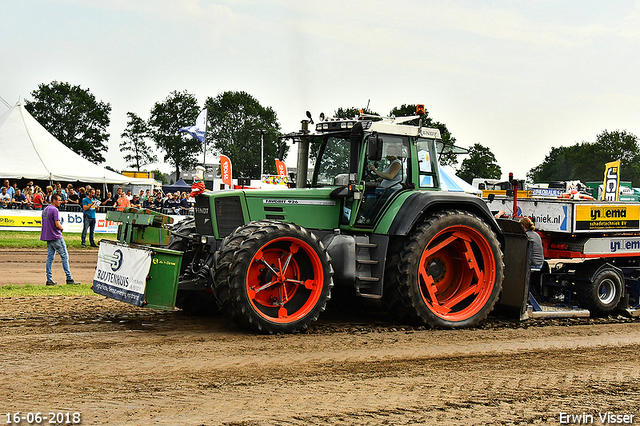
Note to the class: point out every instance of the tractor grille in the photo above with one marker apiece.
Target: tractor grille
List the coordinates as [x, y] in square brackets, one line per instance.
[204, 224]
[228, 215]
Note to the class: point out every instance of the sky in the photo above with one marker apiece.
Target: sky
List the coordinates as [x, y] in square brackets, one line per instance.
[519, 77]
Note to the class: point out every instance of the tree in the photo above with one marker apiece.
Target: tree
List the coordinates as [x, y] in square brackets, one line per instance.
[406, 110]
[236, 120]
[178, 110]
[135, 136]
[73, 116]
[158, 175]
[481, 163]
[585, 161]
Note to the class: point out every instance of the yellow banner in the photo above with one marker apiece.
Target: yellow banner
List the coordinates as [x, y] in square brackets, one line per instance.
[20, 221]
[611, 181]
[607, 217]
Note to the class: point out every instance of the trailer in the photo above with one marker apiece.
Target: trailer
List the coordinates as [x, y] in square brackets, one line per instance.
[592, 256]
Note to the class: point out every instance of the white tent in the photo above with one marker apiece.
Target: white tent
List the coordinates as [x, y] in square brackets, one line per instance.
[451, 182]
[29, 151]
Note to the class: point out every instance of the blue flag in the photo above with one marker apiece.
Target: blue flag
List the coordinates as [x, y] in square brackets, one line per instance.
[198, 131]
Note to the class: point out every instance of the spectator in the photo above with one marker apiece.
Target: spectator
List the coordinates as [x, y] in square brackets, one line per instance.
[157, 203]
[19, 200]
[52, 234]
[49, 194]
[185, 206]
[28, 193]
[5, 199]
[170, 205]
[135, 202]
[147, 194]
[38, 198]
[9, 188]
[122, 202]
[89, 205]
[147, 203]
[108, 201]
[73, 198]
[81, 194]
[129, 196]
[29, 186]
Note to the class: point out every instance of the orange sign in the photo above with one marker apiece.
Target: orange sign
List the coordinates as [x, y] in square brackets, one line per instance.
[281, 168]
[225, 169]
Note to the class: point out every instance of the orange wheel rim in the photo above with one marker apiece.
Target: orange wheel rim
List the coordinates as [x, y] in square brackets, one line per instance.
[456, 273]
[285, 280]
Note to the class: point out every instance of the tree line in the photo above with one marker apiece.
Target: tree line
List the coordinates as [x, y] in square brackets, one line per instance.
[236, 121]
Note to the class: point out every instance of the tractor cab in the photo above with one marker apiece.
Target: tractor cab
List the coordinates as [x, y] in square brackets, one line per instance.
[371, 161]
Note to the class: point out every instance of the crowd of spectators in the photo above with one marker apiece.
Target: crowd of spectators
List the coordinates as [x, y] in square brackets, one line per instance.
[32, 197]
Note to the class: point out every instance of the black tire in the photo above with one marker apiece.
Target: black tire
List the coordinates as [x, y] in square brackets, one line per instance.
[602, 294]
[194, 302]
[278, 277]
[447, 273]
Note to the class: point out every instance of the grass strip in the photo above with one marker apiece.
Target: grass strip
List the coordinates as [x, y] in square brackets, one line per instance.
[33, 290]
[31, 239]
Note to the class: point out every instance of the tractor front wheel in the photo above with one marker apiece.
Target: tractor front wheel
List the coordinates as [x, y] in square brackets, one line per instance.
[279, 277]
[448, 274]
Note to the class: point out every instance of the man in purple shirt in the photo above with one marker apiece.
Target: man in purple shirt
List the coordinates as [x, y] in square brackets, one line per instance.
[52, 234]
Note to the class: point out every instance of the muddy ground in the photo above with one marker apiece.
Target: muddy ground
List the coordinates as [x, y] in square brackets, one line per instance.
[120, 365]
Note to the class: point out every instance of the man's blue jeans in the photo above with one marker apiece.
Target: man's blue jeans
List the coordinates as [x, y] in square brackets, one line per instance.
[88, 224]
[60, 247]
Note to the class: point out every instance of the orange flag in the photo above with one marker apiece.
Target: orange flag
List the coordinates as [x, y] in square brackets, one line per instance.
[225, 169]
[281, 168]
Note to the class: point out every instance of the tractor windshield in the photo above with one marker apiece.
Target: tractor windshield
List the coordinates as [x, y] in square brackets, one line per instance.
[332, 162]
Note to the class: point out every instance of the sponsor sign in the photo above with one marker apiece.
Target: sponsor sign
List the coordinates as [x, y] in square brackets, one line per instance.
[547, 215]
[546, 192]
[121, 273]
[611, 181]
[612, 245]
[615, 216]
[299, 202]
[31, 220]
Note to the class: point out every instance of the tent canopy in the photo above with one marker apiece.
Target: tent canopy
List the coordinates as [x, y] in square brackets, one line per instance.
[452, 183]
[180, 185]
[31, 152]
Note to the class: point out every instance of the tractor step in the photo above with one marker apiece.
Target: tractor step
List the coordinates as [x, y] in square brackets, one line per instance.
[367, 262]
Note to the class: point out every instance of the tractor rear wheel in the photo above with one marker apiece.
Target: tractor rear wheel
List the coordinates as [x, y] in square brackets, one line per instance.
[448, 274]
[279, 276]
[194, 302]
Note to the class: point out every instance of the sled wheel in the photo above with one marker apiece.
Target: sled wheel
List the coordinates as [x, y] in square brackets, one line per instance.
[448, 274]
[603, 293]
[194, 302]
[280, 278]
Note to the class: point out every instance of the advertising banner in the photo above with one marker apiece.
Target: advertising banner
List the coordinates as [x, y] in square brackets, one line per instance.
[31, 220]
[611, 181]
[616, 216]
[281, 168]
[226, 170]
[121, 273]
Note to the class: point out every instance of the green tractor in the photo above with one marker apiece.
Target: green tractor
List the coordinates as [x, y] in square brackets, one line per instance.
[372, 217]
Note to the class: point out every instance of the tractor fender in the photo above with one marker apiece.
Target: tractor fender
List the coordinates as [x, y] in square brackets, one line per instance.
[420, 204]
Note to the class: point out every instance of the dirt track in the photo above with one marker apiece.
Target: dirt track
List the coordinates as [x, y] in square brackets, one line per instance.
[117, 364]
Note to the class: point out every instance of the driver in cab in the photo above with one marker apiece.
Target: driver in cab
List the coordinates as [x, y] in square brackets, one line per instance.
[392, 174]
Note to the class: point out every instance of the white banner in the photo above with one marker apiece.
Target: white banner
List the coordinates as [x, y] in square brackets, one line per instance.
[121, 273]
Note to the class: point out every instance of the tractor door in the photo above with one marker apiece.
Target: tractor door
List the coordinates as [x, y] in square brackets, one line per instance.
[386, 171]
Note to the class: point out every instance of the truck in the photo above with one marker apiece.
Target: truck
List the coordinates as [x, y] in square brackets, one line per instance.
[592, 256]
